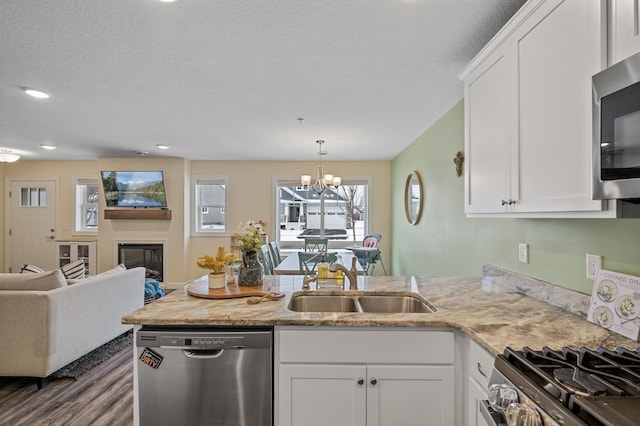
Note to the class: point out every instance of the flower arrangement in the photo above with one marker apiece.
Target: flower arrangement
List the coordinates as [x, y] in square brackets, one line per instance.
[216, 264]
[251, 235]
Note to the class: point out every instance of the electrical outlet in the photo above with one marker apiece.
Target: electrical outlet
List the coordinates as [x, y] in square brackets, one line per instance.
[594, 263]
[523, 252]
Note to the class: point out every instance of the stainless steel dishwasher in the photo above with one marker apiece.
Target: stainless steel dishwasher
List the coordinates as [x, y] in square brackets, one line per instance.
[205, 376]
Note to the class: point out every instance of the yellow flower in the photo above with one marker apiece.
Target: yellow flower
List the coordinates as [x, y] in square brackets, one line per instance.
[216, 264]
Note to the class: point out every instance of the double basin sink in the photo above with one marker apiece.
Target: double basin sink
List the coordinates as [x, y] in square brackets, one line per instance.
[360, 302]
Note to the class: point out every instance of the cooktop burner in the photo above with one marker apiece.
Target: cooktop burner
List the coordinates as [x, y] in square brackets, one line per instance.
[600, 387]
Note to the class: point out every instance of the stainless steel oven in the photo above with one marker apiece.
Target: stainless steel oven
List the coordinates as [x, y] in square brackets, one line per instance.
[572, 387]
[616, 131]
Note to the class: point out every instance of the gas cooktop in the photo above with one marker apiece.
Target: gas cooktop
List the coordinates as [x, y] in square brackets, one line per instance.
[577, 386]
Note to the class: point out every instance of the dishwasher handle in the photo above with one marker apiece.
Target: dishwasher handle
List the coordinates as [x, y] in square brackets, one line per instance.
[202, 354]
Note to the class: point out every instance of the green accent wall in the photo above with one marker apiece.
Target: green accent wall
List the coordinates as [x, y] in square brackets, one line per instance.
[446, 243]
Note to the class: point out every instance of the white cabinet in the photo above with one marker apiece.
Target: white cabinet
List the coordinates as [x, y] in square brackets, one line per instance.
[362, 376]
[70, 251]
[489, 99]
[318, 395]
[476, 393]
[624, 33]
[479, 366]
[528, 113]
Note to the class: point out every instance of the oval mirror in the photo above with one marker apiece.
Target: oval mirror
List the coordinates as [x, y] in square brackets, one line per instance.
[413, 198]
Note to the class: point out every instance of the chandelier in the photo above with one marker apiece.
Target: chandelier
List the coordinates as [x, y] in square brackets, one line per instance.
[323, 180]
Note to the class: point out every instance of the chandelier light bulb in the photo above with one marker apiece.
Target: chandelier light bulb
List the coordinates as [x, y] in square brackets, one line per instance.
[323, 180]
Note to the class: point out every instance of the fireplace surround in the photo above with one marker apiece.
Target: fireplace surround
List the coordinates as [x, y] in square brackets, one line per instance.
[148, 254]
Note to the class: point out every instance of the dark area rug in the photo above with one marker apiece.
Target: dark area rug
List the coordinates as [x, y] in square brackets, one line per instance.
[96, 357]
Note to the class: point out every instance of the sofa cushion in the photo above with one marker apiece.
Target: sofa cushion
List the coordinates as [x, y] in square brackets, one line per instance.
[121, 267]
[42, 281]
[74, 270]
[27, 268]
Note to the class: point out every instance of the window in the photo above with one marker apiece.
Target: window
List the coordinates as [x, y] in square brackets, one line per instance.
[299, 210]
[33, 197]
[86, 209]
[210, 204]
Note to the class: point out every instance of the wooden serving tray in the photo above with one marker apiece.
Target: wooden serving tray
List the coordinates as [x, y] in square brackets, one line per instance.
[201, 289]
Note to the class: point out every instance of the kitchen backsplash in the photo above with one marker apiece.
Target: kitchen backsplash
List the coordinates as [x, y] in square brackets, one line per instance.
[569, 300]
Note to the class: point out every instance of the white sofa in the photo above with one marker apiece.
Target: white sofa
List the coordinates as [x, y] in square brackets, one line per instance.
[46, 324]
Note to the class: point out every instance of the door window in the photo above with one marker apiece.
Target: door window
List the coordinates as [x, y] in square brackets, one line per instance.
[33, 197]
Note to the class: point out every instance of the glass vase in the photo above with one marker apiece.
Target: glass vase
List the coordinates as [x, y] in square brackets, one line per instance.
[250, 272]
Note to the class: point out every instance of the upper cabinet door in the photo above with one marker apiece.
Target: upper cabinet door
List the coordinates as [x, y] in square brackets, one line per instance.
[489, 105]
[559, 48]
[528, 113]
[625, 30]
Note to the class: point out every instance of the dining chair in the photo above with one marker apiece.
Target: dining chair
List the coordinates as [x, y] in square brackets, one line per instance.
[305, 258]
[275, 253]
[265, 259]
[316, 244]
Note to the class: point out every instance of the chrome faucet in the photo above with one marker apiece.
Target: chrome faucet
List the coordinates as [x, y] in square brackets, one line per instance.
[308, 279]
[351, 274]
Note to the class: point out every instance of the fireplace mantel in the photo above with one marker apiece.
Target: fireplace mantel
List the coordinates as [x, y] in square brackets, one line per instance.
[149, 214]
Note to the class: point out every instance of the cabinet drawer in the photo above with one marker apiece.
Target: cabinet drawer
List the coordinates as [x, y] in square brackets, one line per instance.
[480, 363]
[364, 345]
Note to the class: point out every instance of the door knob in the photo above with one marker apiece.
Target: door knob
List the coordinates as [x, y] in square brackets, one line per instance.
[373, 381]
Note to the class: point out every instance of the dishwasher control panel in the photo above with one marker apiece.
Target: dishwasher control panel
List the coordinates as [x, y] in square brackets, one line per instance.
[193, 342]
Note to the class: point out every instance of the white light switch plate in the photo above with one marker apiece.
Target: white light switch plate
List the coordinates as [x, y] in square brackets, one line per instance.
[594, 263]
[523, 252]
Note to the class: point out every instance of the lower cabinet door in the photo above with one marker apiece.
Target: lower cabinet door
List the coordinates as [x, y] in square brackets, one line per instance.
[407, 395]
[321, 395]
[476, 393]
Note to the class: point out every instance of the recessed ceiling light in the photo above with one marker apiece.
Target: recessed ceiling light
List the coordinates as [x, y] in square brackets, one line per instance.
[162, 146]
[167, 1]
[38, 94]
[47, 146]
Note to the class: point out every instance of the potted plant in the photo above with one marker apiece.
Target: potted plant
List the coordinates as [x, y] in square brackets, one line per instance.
[217, 265]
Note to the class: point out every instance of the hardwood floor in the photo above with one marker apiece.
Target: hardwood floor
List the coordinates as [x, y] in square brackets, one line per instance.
[102, 396]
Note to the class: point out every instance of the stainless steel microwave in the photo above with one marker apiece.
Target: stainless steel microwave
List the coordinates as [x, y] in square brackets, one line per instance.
[616, 131]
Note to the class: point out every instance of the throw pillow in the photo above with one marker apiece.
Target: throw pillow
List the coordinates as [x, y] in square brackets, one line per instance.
[27, 268]
[42, 281]
[74, 270]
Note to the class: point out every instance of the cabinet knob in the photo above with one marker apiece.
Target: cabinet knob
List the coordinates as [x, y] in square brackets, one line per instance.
[373, 381]
[360, 381]
[504, 202]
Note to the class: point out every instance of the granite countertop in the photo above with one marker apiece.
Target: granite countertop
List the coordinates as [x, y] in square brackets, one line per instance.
[493, 314]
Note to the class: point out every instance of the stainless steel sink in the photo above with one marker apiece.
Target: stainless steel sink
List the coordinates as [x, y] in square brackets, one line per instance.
[394, 304]
[362, 303]
[323, 303]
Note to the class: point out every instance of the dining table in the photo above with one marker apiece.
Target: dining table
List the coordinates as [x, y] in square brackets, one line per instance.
[291, 266]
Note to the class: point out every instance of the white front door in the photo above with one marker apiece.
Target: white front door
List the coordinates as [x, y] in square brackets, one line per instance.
[32, 224]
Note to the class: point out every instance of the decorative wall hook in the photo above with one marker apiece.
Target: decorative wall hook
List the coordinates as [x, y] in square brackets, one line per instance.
[459, 161]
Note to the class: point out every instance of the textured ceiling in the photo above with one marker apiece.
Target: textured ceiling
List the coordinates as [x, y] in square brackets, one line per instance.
[228, 79]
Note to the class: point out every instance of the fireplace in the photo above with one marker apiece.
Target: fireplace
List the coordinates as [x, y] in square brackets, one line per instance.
[149, 255]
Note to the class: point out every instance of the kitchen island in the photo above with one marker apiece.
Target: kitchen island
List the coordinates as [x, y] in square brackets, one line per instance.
[493, 315]
[436, 360]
